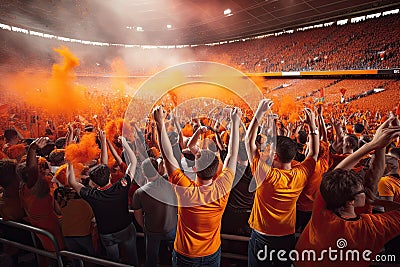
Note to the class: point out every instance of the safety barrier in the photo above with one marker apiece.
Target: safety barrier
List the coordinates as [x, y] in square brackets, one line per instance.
[58, 254]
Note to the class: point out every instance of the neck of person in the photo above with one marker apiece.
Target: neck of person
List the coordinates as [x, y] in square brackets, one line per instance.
[347, 212]
[104, 187]
[201, 181]
[282, 166]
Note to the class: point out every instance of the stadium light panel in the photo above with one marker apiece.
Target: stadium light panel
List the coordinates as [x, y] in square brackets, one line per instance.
[228, 12]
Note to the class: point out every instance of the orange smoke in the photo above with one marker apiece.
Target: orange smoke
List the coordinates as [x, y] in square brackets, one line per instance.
[63, 95]
[119, 79]
[61, 175]
[84, 151]
[55, 93]
[113, 128]
[287, 108]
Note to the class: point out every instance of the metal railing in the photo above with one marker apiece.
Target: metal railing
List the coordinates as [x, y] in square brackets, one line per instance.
[57, 254]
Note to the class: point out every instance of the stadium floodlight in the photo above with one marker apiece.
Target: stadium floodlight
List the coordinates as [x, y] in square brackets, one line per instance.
[228, 12]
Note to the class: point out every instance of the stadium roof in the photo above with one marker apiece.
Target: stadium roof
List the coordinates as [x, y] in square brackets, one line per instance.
[190, 21]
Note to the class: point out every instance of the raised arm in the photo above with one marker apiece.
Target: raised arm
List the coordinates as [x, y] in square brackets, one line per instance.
[165, 146]
[251, 133]
[114, 152]
[192, 144]
[70, 135]
[313, 147]
[374, 173]
[383, 136]
[233, 146]
[104, 152]
[179, 129]
[139, 143]
[32, 161]
[131, 158]
[72, 180]
[337, 144]
[321, 124]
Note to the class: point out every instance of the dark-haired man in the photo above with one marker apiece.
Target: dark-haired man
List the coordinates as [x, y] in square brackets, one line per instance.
[336, 235]
[201, 202]
[273, 215]
[155, 210]
[109, 203]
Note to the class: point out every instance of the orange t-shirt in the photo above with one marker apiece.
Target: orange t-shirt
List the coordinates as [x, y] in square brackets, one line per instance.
[389, 186]
[200, 210]
[307, 196]
[274, 208]
[327, 231]
[38, 205]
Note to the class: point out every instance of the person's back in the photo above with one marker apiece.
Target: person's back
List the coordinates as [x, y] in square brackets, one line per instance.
[109, 203]
[273, 215]
[158, 202]
[36, 200]
[241, 198]
[352, 239]
[200, 212]
[201, 202]
[306, 199]
[155, 210]
[76, 221]
[329, 229]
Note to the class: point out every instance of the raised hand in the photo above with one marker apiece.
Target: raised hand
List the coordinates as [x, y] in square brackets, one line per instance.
[264, 105]
[385, 133]
[203, 129]
[236, 114]
[102, 135]
[40, 142]
[309, 116]
[158, 114]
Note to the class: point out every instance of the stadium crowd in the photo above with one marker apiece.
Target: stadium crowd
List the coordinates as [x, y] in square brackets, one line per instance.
[294, 175]
[259, 174]
[369, 44]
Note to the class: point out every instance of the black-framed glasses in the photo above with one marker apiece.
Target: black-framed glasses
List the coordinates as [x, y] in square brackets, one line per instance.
[359, 192]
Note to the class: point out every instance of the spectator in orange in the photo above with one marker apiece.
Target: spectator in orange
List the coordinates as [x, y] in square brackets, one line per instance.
[278, 187]
[201, 202]
[334, 222]
[36, 199]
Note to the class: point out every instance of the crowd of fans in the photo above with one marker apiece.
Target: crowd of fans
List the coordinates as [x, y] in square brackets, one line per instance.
[73, 175]
[314, 158]
[370, 44]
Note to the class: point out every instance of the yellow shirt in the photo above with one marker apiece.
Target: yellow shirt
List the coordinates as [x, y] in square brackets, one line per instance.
[200, 210]
[274, 208]
[307, 196]
[389, 186]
